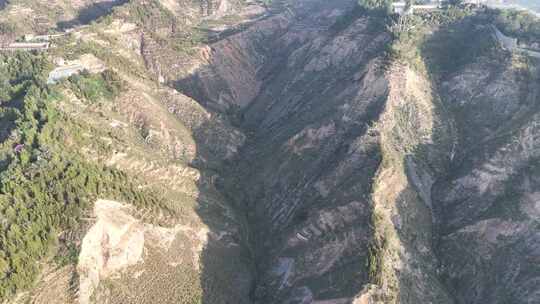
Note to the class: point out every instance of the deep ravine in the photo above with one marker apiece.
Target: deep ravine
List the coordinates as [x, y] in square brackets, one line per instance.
[343, 149]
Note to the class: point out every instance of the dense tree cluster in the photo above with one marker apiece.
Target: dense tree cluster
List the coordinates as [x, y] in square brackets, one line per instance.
[44, 187]
[150, 14]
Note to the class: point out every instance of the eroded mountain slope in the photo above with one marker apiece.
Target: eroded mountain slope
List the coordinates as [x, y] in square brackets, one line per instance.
[322, 115]
[487, 205]
[321, 157]
[339, 138]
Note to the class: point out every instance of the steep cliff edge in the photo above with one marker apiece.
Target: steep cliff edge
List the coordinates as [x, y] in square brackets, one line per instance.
[344, 148]
[488, 212]
[336, 175]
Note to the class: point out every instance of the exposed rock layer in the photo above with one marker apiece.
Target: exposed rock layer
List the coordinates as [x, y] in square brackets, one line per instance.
[343, 153]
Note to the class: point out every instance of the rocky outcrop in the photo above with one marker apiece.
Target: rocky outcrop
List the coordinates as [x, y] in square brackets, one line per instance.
[116, 241]
[121, 246]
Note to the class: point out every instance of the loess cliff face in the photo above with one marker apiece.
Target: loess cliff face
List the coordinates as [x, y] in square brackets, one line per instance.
[368, 180]
[487, 204]
[307, 96]
[302, 163]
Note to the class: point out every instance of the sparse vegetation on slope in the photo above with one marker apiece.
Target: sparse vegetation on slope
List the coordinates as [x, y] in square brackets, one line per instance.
[45, 186]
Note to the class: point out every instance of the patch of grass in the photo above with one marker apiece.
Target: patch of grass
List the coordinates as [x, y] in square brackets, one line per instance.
[93, 87]
[163, 26]
[376, 248]
[150, 14]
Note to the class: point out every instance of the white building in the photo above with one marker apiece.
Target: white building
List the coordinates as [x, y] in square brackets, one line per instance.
[476, 2]
[26, 46]
[401, 7]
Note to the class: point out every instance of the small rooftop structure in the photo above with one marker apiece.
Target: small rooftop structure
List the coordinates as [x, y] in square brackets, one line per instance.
[64, 72]
[403, 8]
[66, 69]
[31, 37]
[400, 8]
[31, 43]
[475, 2]
[426, 6]
[25, 46]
